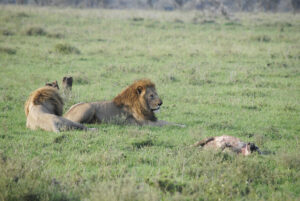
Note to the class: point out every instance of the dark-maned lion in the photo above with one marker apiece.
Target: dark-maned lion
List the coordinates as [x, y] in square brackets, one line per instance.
[136, 104]
[43, 110]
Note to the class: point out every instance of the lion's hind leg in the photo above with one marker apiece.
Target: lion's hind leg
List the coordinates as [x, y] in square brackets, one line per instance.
[63, 124]
[81, 113]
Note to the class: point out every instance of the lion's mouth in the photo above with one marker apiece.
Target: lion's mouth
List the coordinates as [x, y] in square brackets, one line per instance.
[155, 109]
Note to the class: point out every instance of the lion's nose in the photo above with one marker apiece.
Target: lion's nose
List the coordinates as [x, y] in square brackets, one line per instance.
[160, 102]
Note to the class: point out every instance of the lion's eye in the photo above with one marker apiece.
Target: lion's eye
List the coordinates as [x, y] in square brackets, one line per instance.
[151, 96]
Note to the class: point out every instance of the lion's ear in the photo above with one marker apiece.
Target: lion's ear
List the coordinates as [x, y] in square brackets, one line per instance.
[139, 90]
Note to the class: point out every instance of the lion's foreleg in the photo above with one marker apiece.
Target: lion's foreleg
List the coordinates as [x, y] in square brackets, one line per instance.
[55, 127]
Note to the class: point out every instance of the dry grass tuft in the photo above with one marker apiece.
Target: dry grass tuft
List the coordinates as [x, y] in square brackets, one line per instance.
[6, 32]
[8, 50]
[35, 31]
[55, 35]
[64, 48]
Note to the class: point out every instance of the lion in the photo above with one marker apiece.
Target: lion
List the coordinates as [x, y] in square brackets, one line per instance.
[231, 143]
[136, 104]
[44, 109]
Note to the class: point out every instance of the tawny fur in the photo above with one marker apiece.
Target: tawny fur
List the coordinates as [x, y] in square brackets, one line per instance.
[133, 103]
[45, 94]
[43, 110]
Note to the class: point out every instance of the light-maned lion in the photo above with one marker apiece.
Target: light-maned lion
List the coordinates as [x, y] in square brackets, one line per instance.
[43, 110]
[136, 104]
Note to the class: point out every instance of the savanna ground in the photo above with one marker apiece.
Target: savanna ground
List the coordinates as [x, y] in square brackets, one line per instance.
[237, 76]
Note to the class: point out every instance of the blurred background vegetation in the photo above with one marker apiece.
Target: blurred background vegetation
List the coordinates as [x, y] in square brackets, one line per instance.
[214, 5]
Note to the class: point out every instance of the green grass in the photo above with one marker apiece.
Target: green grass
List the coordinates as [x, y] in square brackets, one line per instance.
[238, 76]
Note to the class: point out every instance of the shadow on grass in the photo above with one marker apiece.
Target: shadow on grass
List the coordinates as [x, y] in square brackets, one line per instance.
[141, 143]
[167, 184]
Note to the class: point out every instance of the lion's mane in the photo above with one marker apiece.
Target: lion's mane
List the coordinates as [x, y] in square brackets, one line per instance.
[134, 102]
[47, 95]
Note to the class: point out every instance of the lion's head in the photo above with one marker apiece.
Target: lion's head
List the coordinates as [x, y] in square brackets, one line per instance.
[140, 99]
[48, 97]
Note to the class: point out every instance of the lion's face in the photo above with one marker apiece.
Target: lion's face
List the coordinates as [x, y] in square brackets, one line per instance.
[152, 100]
[140, 99]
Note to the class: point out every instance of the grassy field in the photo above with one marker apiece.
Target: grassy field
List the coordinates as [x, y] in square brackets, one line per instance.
[238, 76]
